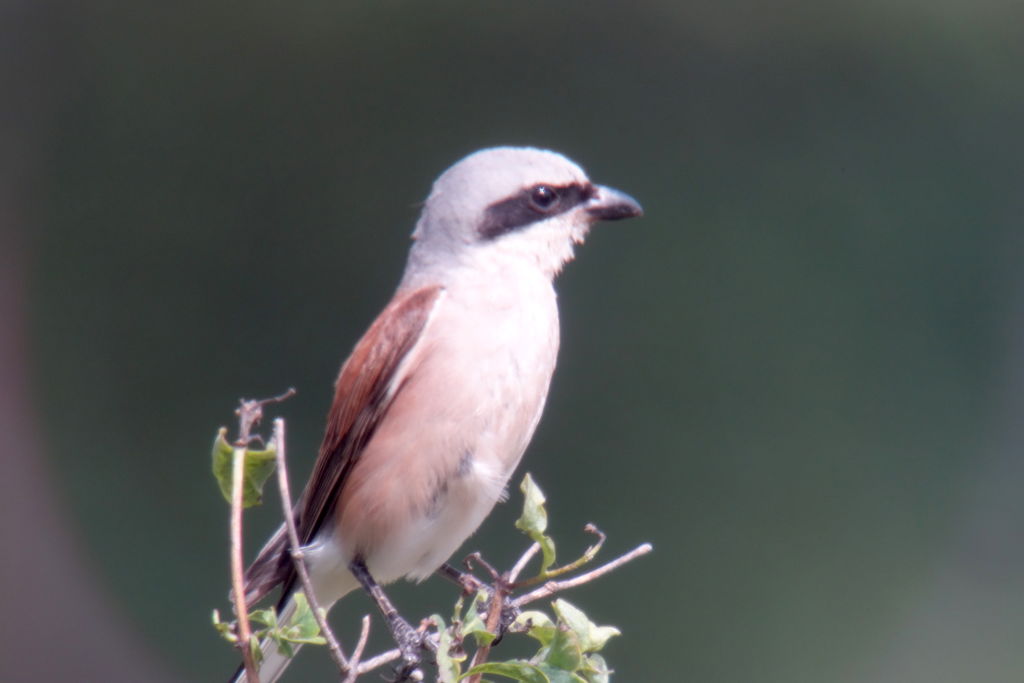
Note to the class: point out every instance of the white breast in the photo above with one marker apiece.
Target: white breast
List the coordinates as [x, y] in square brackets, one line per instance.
[492, 349]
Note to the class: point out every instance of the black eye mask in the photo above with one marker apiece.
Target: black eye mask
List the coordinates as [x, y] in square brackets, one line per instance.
[532, 204]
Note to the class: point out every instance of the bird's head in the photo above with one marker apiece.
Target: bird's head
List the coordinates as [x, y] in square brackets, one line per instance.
[513, 206]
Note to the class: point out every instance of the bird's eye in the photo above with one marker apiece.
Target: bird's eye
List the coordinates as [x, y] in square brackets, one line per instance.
[543, 198]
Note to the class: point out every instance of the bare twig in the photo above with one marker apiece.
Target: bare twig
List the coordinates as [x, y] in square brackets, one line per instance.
[237, 580]
[498, 595]
[588, 555]
[379, 661]
[297, 556]
[349, 668]
[251, 412]
[357, 653]
[521, 564]
[479, 559]
[464, 580]
[552, 587]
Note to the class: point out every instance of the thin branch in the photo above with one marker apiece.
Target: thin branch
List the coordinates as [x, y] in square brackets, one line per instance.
[588, 555]
[521, 564]
[469, 584]
[237, 580]
[498, 597]
[251, 412]
[350, 669]
[357, 653]
[297, 556]
[479, 559]
[379, 661]
[552, 587]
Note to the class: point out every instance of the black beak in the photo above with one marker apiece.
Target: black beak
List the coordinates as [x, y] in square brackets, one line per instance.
[611, 205]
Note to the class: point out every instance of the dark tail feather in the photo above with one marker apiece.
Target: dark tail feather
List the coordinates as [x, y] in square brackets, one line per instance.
[270, 568]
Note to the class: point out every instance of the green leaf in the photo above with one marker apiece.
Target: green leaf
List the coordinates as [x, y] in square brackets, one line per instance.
[266, 617]
[223, 628]
[303, 628]
[591, 636]
[255, 649]
[535, 624]
[457, 610]
[595, 669]
[563, 653]
[259, 465]
[282, 644]
[517, 670]
[450, 654]
[476, 621]
[560, 676]
[534, 521]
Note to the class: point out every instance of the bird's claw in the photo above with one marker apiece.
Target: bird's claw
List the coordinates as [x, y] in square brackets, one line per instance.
[411, 642]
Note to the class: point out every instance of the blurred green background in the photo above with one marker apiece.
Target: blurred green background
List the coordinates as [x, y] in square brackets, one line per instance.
[799, 376]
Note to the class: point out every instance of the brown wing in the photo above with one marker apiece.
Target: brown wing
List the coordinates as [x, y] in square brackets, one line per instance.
[362, 395]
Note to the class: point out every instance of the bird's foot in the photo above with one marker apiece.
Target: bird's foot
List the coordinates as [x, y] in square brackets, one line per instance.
[412, 643]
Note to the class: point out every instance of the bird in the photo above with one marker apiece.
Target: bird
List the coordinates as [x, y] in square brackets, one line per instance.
[437, 402]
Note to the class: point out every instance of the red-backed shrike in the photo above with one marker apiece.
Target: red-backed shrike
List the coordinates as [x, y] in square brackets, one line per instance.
[439, 399]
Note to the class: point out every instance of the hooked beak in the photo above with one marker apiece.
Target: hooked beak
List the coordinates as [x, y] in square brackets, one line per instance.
[609, 204]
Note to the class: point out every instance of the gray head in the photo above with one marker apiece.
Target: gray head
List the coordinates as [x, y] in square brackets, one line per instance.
[512, 206]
